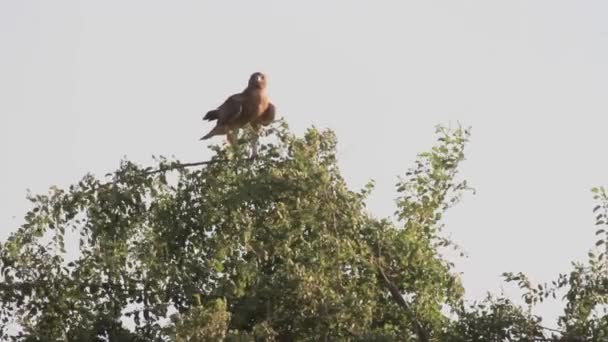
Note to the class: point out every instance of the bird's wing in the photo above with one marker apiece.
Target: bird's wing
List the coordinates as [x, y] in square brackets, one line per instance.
[231, 109]
[267, 117]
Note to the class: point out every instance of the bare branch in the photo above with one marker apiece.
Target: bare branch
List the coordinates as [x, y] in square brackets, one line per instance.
[423, 335]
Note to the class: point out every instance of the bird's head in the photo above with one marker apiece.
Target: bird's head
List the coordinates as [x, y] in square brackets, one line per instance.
[257, 80]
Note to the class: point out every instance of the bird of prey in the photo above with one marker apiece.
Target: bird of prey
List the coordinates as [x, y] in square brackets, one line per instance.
[251, 106]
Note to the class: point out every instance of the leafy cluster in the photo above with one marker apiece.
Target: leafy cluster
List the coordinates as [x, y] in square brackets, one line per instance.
[276, 248]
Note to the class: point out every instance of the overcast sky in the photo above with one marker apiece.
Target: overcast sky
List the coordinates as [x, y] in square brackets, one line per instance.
[85, 83]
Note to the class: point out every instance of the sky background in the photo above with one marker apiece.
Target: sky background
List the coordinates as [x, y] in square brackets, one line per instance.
[86, 83]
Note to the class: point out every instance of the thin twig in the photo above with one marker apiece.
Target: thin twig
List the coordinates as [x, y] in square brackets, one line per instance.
[182, 166]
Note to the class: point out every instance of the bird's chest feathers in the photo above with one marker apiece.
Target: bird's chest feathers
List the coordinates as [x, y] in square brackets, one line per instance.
[257, 104]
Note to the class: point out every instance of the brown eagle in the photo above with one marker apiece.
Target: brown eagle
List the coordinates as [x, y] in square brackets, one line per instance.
[251, 106]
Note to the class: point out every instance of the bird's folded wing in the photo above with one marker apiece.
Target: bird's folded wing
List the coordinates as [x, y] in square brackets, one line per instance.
[230, 109]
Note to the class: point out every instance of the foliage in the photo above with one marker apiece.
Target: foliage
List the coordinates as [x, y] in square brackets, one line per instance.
[494, 319]
[276, 248]
[585, 288]
[201, 323]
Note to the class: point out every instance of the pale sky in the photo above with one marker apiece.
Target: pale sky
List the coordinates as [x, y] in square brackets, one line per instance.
[84, 83]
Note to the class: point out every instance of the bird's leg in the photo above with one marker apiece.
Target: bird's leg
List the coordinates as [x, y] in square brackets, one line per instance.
[231, 141]
[254, 141]
[254, 148]
[231, 137]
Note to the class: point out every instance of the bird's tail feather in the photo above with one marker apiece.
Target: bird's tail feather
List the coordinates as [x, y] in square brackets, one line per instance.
[211, 133]
[207, 136]
[212, 115]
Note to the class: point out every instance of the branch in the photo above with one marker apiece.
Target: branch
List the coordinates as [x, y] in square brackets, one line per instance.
[551, 329]
[423, 335]
[182, 166]
[170, 167]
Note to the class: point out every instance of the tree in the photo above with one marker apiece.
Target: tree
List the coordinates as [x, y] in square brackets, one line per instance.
[278, 248]
[585, 288]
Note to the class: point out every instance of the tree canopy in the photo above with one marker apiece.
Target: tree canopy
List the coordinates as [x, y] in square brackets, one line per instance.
[276, 248]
